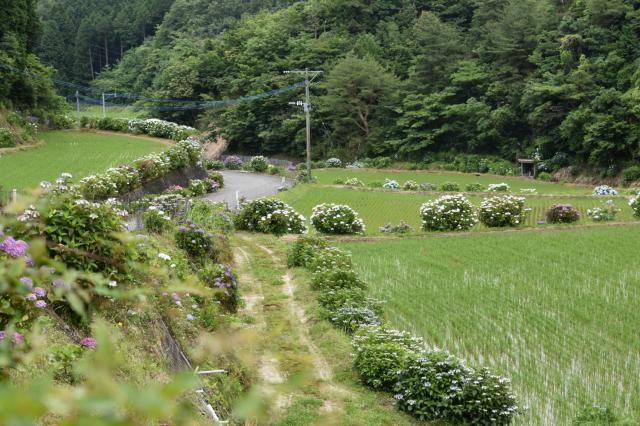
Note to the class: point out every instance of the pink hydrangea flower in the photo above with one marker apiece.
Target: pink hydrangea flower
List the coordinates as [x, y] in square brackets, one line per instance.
[28, 282]
[40, 292]
[17, 338]
[88, 342]
[40, 304]
[31, 297]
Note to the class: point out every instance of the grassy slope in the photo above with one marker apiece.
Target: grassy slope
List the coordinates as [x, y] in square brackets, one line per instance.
[378, 208]
[556, 311]
[328, 176]
[78, 153]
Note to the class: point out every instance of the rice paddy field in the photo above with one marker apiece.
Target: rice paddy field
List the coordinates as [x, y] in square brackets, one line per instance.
[377, 207]
[76, 152]
[328, 177]
[557, 311]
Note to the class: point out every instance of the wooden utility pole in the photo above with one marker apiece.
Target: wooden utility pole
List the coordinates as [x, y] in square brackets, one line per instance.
[78, 107]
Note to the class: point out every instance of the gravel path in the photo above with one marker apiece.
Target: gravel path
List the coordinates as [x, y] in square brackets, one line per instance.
[248, 185]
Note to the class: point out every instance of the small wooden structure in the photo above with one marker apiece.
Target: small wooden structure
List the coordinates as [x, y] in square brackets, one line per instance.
[527, 167]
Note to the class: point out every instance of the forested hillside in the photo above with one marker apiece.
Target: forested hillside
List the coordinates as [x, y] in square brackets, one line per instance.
[412, 77]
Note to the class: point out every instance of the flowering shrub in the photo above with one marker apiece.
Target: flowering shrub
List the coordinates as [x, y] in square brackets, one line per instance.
[349, 319]
[330, 258]
[156, 220]
[498, 187]
[217, 178]
[333, 162]
[161, 129]
[428, 186]
[333, 279]
[152, 166]
[380, 353]
[390, 184]
[213, 216]
[258, 164]
[562, 213]
[270, 216]
[232, 163]
[198, 187]
[334, 299]
[171, 204]
[410, 185]
[502, 211]
[336, 219]
[304, 249]
[604, 190]
[213, 164]
[474, 187]
[449, 187]
[606, 213]
[354, 182]
[528, 190]
[437, 385]
[197, 243]
[222, 278]
[634, 202]
[448, 213]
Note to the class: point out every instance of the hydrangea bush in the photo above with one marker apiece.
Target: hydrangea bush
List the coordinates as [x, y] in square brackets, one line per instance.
[634, 203]
[270, 216]
[502, 211]
[223, 279]
[161, 129]
[195, 241]
[390, 184]
[336, 219]
[474, 187]
[448, 213]
[330, 258]
[604, 190]
[333, 162]
[258, 164]
[498, 187]
[410, 185]
[354, 182]
[351, 318]
[232, 162]
[450, 187]
[302, 251]
[332, 279]
[562, 213]
[605, 213]
[156, 220]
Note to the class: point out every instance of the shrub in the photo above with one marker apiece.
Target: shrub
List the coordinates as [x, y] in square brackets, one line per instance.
[197, 187]
[216, 177]
[437, 385]
[410, 186]
[380, 353]
[376, 184]
[197, 243]
[498, 187]
[390, 184]
[356, 165]
[502, 211]
[544, 176]
[351, 318]
[232, 163]
[330, 258]
[223, 279]
[474, 187]
[336, 219]
[448, 213]
[270, 216]
[274, 170]
[302, 251]
[332, 279]
[377, 163]
[630, 174]
[213, 216]
[258, 164]
[428, 186]
[338, 181]
[597, 416]
[6, 138]
[402, 228]
[634, 202]
[354, 182]
[333, 162]
[161, 129]
[334, 299]
[562, 213]
[213, 164]
[606, 213]
[604, 190]
[156, 220]
[450, 187]
[171, 204]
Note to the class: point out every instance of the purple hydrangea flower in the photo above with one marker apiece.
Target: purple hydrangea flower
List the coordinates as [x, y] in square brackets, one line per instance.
[2, 335]
[175, 296]
[17, 338]
[40, 304]
[88, 342]
[14, 248]
[40, 292]
[31, 297]
[28, 282]
[58, 283]
[189, 317]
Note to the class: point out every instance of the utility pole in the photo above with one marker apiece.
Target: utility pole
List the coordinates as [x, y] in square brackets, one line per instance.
[78, 107]
[104, 105]
[306, 105]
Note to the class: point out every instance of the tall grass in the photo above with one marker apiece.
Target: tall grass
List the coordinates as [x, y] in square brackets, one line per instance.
[78, 153]
[556, 311]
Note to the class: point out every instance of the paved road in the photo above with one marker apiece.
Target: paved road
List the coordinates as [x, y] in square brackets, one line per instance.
[249, 185]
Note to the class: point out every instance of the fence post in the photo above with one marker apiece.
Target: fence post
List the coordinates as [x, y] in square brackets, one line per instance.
[237, 199]
[14, 195]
